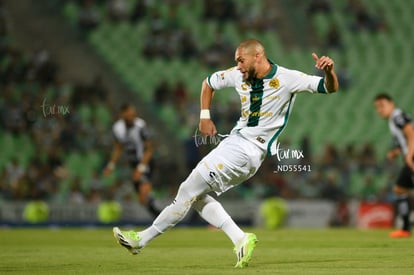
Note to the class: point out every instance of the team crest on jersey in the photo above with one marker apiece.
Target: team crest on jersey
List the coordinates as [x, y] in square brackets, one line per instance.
[274, 83]
[243, 99]
[222, 76]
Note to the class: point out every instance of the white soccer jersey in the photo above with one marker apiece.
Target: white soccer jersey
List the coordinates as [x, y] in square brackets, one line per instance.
[132, 138]
[266, 103]
[396, 122]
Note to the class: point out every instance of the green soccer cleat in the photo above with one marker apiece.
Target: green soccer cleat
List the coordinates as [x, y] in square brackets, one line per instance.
[128, 239]
[244, 250]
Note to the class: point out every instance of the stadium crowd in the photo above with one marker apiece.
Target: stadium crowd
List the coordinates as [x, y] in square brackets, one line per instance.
[42, 120]
[59, 117]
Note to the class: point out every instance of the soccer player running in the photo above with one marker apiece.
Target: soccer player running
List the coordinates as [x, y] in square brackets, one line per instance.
[267, 92]
[131, 135]
[402, 130]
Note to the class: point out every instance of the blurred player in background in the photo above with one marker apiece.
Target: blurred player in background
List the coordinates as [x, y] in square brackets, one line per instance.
[267, 92]
[402, 130]
[132, 137]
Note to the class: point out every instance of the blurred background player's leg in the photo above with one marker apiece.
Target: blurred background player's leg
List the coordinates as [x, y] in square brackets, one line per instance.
[144, 188]
[402, 202]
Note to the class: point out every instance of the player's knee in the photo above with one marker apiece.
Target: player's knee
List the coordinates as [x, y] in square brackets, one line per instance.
[181, 206]
[212, 208]
[201, 202]
[191, 190]
[198, 205]
[184, 198]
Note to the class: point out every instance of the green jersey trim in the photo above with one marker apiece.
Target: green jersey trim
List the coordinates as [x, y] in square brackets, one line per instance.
[256, 100]
[321, 86]
[208, 81]
[272, 72]
[269, 145]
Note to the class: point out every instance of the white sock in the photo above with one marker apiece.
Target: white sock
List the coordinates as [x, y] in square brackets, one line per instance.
[147, 235]
[213, 212]
[233, 231]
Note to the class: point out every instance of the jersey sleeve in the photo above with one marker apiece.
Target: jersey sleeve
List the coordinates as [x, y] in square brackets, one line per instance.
[301, 82]
[223, 79]
[401, 120]
[145, 133]
[116, 133]
[143, 129]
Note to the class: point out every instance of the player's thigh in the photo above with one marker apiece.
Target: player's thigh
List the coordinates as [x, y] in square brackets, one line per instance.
[405, 181]
[232, 162]
[193, 187]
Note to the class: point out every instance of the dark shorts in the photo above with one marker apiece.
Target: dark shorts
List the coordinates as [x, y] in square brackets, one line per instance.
[144, 178]
[406, 178]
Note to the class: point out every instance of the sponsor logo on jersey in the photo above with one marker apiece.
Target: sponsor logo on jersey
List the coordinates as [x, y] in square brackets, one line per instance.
[273, 97]
[261, 114]
[247, 113]
[260, 139]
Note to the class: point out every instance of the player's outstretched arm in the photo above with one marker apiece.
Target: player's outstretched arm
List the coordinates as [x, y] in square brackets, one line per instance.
[206, 125]
[116, 153]
[143, 166]
[327, 64]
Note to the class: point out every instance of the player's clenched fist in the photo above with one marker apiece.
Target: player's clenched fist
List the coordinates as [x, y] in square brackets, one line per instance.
[207, 127]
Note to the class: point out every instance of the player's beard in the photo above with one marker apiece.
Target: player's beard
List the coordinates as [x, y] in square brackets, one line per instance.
[251, 74]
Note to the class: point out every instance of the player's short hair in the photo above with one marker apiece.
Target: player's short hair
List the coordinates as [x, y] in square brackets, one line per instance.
[250, 44]
[125, 107]
[383, 96]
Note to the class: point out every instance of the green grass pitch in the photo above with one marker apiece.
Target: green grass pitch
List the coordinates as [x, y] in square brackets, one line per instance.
[205, 251]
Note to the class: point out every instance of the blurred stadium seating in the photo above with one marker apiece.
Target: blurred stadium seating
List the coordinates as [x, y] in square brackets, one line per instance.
[377, 61]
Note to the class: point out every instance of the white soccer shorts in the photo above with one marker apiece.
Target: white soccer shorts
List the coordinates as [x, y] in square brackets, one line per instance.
[232, 162]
